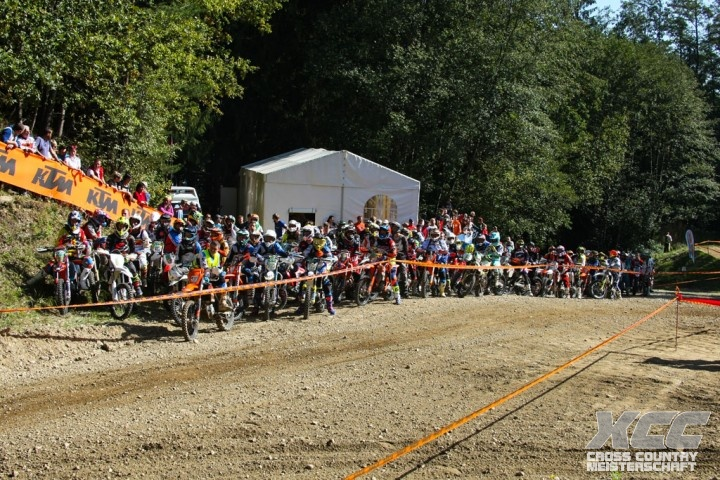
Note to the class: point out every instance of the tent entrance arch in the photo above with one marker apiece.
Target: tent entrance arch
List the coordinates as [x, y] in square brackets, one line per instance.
[382, 207]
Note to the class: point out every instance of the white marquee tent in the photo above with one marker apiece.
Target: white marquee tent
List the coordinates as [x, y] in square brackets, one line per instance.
[311, 184]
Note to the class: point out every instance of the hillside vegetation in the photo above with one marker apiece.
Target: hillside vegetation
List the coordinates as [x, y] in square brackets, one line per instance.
[29, 222]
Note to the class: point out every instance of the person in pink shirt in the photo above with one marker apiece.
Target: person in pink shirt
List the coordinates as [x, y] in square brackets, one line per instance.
[96, 171]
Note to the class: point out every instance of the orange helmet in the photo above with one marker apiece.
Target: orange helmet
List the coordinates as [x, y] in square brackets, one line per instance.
[216, 234]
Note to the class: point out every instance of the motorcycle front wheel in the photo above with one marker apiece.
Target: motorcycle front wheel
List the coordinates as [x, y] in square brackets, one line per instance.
[597, 290]
[308, 300]
[466, 284]
[123, 293]
[362, 291]
[191, 321]
[63, 295]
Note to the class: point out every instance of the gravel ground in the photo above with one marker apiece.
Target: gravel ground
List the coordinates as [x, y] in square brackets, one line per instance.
[324, 397]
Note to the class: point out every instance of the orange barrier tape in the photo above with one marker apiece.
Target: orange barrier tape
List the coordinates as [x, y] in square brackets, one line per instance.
[56, 180]
[198, 293]
[448, 428]
[700, 300]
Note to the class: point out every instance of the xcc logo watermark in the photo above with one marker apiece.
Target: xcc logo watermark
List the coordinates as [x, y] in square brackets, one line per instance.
[650, 453]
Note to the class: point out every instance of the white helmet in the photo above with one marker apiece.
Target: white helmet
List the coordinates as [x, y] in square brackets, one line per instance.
[293, 225]
[269, 237]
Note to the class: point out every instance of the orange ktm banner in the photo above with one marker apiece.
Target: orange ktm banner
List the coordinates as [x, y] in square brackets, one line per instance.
[55, 180]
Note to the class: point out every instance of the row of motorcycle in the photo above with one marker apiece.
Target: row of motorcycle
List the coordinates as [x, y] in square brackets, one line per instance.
[357, 277]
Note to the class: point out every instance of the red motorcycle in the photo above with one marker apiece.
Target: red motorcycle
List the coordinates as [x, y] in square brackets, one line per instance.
[344, 283]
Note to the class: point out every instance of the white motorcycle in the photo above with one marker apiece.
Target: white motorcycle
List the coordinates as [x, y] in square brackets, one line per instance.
[117, 277]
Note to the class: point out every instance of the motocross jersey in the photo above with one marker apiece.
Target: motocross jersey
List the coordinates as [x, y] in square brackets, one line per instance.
[386, 246]
[121, 245]
[401, 243]
[520, 256]
[291, 237]
[92, 230]
[68, 239]
[172, 240]
[312, 252]
[434, 245]
[236, 252]
[142, 240]
[350, 244]
[614, 262]
[191, 256]
[274, 249]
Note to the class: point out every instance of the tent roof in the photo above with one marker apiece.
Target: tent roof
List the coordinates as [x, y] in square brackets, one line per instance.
[289, 159]
[301, 156]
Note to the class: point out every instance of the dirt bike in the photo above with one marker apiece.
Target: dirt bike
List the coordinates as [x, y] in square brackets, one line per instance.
[312, 287]
[177, 276]
[373, 283]
[85, 279]
[495, 276]
[469, 279]
[543, 283]
[428, 278]
[517, 280]
[604, 286]
[156, 266]
[344, 284]
[238, 298]
[565, 282]
[207, 306]
[273, 297]
[117, 278]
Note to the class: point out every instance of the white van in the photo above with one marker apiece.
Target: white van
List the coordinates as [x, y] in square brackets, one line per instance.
[180, 193]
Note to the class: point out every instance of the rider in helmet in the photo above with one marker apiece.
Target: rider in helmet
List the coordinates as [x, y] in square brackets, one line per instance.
[216, 235]
[189, 251]
[229, 230]
[213, 260]
[320, 249]
[161, 230]
[435, 244]
[238, 248]
[142, 245]
[399, 235]
[348, 238]
[120, 241]
[94, 225]
[306, 237]
[173, 238]
[387, 247]
[71, 238]
[615, 264]
[292, 233]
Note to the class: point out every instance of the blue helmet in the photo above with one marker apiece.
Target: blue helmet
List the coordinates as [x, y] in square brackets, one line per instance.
[383, 231]
[494, 238]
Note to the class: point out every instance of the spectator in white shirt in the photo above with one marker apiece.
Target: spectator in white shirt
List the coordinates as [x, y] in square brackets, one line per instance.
[72, 160]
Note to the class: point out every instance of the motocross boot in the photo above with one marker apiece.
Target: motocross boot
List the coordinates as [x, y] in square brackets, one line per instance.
[224, 304]
[442, 289]
[396, 293]
[138, 289]
[329, 305]
[36, 278]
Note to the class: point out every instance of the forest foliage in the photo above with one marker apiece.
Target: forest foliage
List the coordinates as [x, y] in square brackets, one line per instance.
[553, 120]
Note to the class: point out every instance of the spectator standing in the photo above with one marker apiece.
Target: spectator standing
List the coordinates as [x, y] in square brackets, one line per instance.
[43, 145]
[124, 184]
[166, 206]
[141, 194]
[10, 134]
[115, 181]
[360, 225]
[72, 160]
[96, 171]
[411, 225]
[61, 153]
[25, 141]
[668, 242]
[280, 226]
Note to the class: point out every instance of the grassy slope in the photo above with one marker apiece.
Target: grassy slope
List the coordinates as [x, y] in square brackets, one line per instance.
[28, 222]
[706, 260]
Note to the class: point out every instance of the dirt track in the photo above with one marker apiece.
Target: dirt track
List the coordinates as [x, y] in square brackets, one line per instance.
[321, 398]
